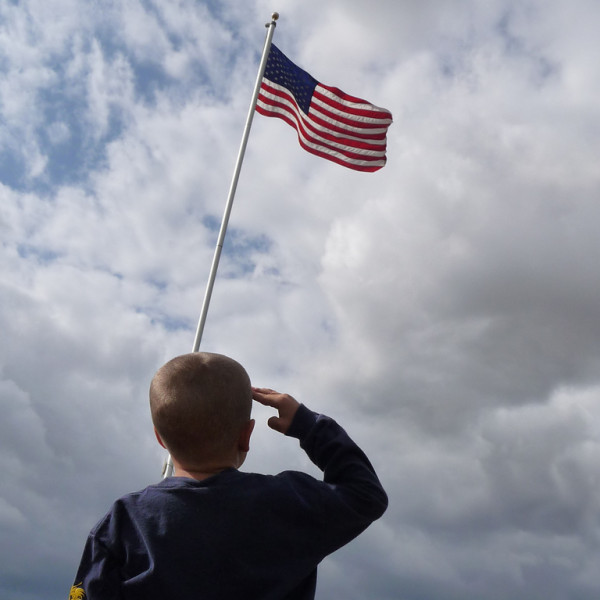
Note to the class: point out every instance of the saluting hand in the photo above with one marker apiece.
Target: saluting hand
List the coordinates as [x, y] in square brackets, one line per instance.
[284, 403]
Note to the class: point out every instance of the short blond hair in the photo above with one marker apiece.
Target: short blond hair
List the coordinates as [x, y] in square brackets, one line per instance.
[199, 403]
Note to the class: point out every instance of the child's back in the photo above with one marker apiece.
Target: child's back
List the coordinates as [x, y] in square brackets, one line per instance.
[233, 534]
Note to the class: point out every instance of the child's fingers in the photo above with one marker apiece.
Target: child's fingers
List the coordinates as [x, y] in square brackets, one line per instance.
[264, 390]
[266, 396]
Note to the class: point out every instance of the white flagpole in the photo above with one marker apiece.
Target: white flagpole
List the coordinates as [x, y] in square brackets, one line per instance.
[168, 467]
[236, 174]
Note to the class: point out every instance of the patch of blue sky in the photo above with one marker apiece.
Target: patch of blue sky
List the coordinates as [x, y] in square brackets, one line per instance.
[516, 43]
[329, 329]
[224, 16]
[39, 255]
[70, 151]
[150, 76]
[455, 57]
[168, 322]
[71, 154]
[513, 43]
[63, 139]
[239, 248]
[12, 168]
[151, 80]
[160, 285]
[212, 224]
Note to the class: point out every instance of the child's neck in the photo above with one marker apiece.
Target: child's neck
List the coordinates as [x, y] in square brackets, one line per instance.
[202, 471]
[200, 474]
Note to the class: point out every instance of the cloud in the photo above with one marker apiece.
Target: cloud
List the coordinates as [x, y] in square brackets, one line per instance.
[443, 309]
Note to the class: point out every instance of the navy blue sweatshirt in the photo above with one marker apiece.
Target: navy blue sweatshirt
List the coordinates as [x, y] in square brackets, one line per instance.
[235, 535]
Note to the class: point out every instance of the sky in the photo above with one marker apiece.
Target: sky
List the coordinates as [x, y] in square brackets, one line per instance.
[445, 309]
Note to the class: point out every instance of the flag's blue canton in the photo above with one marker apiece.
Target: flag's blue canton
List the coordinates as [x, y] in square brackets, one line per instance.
[282, 71]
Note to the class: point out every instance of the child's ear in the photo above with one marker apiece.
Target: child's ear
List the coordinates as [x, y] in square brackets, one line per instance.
[159, 439]
[244, 439]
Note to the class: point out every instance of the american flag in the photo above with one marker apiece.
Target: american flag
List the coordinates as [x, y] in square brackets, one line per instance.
[330, 123]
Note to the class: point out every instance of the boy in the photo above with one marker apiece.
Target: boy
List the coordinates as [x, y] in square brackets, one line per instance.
[211, 531]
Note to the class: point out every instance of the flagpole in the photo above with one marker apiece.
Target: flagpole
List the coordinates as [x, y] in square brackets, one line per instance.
[236, 174]
[168, 467]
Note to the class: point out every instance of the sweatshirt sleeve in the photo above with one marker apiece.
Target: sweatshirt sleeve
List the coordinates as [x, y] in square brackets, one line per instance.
[98, 576]
[346, 469]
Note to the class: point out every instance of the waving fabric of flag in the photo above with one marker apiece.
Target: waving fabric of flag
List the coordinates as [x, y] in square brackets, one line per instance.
[329, 122]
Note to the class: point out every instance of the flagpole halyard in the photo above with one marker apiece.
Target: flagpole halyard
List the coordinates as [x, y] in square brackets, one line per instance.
[168, 466]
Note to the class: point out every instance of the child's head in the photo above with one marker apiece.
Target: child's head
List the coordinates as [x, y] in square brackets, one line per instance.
[199, 403]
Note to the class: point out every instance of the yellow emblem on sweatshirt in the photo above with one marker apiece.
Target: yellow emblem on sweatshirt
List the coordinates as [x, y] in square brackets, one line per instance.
[77, 593]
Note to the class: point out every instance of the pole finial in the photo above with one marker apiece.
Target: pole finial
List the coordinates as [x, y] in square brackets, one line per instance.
[273, 22]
